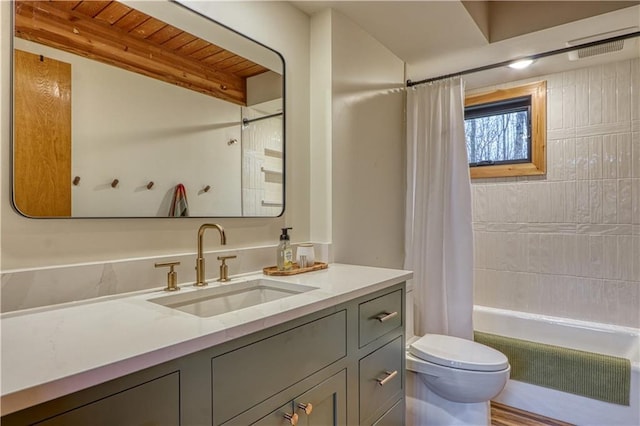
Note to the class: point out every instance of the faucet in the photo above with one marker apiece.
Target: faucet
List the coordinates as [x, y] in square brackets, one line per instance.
[200, 265]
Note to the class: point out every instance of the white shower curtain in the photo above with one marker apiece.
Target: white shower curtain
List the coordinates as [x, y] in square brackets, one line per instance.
[439, 236]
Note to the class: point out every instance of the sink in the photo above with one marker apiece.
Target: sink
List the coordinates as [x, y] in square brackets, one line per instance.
[225, 298]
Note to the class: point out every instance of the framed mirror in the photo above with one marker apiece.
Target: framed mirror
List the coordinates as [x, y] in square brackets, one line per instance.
[143, 109]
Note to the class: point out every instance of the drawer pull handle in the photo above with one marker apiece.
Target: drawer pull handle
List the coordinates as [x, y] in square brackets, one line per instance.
[386, 316]
[293, 418]
[390, 375]
[308, 407]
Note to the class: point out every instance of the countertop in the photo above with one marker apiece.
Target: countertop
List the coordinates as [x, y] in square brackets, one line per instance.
[53, 351]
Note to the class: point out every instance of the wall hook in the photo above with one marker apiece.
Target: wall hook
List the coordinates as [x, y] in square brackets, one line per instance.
[207, 188]
[232, 142]
[150, 185]
[115, 183]
[76, 180]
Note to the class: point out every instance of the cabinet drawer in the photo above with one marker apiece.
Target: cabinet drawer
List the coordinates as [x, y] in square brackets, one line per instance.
[379, 316]
[153, 403]
[393, 417]
[381, 378]
[244, 377]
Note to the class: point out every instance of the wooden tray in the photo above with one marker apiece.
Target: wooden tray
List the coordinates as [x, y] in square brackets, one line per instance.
[273, 270]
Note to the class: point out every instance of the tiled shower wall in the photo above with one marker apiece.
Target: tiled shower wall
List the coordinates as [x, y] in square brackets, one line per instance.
[568, 244]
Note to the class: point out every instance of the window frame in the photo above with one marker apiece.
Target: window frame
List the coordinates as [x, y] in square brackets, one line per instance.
[537, 166]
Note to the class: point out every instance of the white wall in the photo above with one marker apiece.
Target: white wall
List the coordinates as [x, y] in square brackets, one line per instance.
[367, 148]
[34, 243]
[568, 243]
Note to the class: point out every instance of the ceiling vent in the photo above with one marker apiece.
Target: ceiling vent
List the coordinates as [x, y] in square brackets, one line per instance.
[598, 49]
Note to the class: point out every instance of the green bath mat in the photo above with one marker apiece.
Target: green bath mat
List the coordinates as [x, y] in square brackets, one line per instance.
[603, 377]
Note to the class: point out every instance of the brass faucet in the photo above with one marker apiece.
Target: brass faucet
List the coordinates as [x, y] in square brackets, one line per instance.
[200, 265]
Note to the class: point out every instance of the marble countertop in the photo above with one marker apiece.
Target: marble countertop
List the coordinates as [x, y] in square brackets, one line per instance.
[53, 351]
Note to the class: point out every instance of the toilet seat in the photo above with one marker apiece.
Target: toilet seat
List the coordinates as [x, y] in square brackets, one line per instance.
[454, 352]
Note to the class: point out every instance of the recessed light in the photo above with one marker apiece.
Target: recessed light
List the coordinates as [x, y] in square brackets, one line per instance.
[521, 64]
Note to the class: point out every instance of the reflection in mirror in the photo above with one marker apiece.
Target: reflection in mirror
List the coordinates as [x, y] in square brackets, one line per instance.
[118, 104]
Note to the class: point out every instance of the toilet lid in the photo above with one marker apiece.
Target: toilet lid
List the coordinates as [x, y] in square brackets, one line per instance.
[455, 352]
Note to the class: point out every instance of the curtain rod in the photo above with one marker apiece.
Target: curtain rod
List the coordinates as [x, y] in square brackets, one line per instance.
[533, 57]
[247, 121]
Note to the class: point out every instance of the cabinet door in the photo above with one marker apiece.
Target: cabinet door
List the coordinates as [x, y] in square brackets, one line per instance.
[328, 406]
[328, 403]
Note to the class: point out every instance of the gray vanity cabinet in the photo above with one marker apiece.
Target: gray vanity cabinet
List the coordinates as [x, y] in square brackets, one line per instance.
[347, 361]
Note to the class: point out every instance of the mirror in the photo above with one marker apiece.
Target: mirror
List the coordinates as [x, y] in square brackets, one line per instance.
[143, 109]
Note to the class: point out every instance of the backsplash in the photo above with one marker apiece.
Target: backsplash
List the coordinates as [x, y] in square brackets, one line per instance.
[568, 244]
[30, 288]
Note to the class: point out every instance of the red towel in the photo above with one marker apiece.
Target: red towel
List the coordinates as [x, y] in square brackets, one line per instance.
[179, 206]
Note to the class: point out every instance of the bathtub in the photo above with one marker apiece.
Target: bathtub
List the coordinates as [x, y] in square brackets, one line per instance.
[587, 336]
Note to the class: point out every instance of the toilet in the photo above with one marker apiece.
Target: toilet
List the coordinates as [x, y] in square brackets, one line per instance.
[450, 380]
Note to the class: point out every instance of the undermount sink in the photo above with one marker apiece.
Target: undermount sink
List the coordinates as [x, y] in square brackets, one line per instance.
[230, 297]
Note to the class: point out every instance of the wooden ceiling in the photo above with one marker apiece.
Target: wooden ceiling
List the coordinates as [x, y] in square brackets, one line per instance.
[113, 33]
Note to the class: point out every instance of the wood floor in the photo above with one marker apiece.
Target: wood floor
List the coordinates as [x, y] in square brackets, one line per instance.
[503, 415]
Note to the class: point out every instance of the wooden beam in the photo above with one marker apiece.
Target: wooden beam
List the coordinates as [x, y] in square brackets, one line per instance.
[73, 32]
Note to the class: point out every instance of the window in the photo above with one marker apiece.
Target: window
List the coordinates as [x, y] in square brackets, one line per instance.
[506, 131]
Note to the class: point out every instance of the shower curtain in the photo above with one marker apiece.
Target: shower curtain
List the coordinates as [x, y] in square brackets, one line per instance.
[438, 228]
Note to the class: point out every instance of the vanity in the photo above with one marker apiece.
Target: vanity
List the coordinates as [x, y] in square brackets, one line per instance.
[331, 351]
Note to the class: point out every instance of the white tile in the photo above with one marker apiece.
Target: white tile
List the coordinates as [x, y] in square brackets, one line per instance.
[595, 201]
[481, 249]
[610, 156]
[510, 203]
[582, 105]
[533, 252]
[635, 88]
[569, 107]
[582, 202]
[543, 207]
[610, 257]
[569, 202]
[625, 201]
[595, 95]
[596, 256]
[569, 254]
[569, 78]
[623, 82]
[582, 158]
[625, 257]
[595, 157]
[555, 160]
[582, 76]
[609, 70]
[603, 229]
[609, 100]
[635, 155]
[603, 129]
[582, 256]
[510, 252]
[635, 276]
[557, 204]
[610, 201]
[554, 108]
[569, 148]
[635, 201]
[623, 154]
[480, 203]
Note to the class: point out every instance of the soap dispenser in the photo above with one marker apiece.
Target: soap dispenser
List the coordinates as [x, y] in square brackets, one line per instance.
[285, 253]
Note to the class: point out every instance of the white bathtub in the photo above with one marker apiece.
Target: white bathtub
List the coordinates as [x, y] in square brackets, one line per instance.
[587, 336]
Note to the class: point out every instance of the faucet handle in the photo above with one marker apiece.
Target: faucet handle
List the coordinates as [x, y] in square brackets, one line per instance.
[172, 276]
[224, 268]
